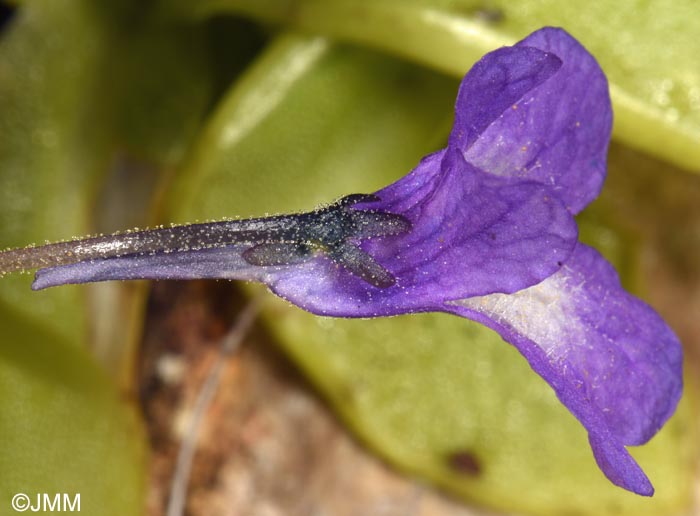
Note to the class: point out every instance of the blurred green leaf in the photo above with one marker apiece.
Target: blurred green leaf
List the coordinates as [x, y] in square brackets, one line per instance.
[275, 140]
[44, 78]
[153, 88]
[64, 428]
[74, 113]
[648, 49]
[437, 395]
[99, 101]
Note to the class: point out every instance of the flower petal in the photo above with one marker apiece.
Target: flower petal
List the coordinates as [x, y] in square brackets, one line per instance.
[472, 233]
[491, 87]
[618, 465]
[558, 131]
[610, 358]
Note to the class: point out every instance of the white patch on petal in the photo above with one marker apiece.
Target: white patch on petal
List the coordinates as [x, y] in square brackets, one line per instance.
[544, 313]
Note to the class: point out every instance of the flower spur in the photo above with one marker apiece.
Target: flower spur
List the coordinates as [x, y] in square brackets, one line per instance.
[263, 242]
[483, 229]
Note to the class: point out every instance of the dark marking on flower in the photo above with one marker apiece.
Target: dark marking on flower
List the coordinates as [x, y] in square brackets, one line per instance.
[264, 255]
[465, 462]
[329, 231]
[361, 264]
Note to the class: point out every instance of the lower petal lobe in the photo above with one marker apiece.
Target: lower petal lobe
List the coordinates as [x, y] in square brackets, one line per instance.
[610, 358]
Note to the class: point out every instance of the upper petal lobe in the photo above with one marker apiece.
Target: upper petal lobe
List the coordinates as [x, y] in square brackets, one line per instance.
[558, 131]
[493, 85]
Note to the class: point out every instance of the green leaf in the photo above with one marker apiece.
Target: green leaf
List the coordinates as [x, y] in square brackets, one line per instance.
[275, 141]
[436, 395]
[152, 86]
[64, 427]
[74, 113]
[44, 78]
[648, 49]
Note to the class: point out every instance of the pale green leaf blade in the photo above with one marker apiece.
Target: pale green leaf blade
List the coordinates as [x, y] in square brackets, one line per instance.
[64, 427]
[274, 141]
[648, 49]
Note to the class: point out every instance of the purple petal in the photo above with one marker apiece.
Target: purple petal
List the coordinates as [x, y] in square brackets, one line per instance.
[557, 132]
[618, 465]
[472, 234]
[610, 358]
[491, 87]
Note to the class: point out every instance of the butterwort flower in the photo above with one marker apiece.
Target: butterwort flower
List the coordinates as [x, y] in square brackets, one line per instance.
[483, 229]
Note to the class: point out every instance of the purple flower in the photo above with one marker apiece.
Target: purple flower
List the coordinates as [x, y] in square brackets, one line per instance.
[483, 229]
